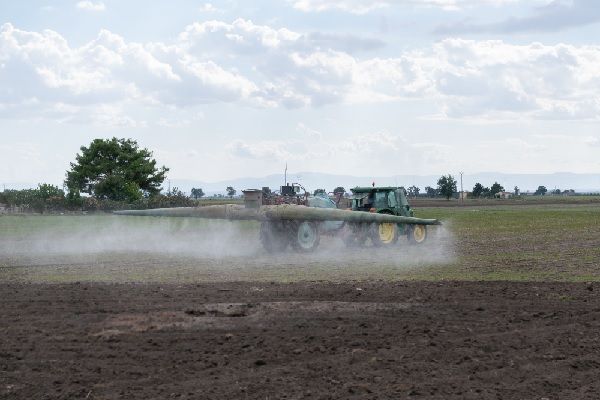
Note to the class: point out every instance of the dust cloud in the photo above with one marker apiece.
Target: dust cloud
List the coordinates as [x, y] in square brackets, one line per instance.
[226, 248]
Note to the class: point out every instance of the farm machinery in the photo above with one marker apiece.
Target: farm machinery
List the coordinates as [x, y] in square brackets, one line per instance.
[293, 218]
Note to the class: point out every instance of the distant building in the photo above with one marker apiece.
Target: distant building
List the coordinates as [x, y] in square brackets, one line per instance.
[463, 195]
[3, 208]
[503, 195]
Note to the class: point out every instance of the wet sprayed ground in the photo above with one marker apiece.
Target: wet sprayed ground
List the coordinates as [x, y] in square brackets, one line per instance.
[301, 340]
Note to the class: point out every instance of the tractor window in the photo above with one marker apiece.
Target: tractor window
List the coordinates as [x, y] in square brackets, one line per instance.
[392, 200]
[380, 200]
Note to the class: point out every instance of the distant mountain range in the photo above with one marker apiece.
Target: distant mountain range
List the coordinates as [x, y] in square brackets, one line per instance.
[313, 180]
[585, 183]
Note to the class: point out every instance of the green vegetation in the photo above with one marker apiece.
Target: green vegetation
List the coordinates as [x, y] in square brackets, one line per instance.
[538, 243]
[446, 186]
[197, 193]
[541, 191]
[231, 191]
[115, 169]
[44, 197]
[551, 242]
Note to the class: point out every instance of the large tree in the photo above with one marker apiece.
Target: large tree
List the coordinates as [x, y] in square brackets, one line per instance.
[496, 188]
[478, 190]
[115, 169]
[541, 191]
[447, 186]
[197, 193]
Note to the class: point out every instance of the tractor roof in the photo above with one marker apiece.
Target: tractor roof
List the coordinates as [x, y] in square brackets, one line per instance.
[369, 189]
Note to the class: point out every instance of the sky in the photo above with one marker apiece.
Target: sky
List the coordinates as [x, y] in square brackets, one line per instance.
[231, 89]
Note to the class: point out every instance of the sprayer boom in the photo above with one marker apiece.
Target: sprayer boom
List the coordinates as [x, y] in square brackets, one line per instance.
[288, 212]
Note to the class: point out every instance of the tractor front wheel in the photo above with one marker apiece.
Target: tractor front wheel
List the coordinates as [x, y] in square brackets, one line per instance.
[416, 234]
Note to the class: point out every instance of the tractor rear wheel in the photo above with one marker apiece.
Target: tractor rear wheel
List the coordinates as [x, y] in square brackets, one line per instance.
[416, 234]
[306, 238]
[273, 237]
[384, 234]
[354, 235]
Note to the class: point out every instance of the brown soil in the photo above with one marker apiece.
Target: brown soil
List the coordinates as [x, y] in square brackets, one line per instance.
[377, 340]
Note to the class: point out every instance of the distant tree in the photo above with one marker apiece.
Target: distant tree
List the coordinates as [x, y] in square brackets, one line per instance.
[40, 199]
[556, 191]
[477, 190]
[339, 190]
[541, 191]
[517, 191]
[496, 188]
[115, 169]
[413, 191]
[197, 193]
[318, 192]
[46, 191]
[231, 191]
[431, 192]
[447, 186]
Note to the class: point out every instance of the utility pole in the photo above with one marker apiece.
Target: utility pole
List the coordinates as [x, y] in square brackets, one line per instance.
[462, 194]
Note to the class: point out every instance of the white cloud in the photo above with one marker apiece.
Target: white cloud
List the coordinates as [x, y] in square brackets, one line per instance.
[593, 141]
[269, 150]
[309, 132]
[208, 8]
[258, 65]
[352, 6]
[498, 79]
[91, 6]
[366, 6]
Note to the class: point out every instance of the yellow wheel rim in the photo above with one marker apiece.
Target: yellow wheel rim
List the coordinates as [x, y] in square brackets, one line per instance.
[386, 232]
[419, 233]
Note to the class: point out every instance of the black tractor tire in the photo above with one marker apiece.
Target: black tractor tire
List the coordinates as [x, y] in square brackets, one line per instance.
[273, 237]
[354, 235]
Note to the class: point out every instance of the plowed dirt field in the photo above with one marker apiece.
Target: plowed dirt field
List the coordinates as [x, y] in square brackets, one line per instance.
[367, 340]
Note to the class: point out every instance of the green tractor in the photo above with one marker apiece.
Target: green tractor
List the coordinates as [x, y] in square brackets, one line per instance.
[383, 200]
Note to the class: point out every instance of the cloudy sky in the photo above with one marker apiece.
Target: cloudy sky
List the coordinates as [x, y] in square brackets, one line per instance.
[231, 88]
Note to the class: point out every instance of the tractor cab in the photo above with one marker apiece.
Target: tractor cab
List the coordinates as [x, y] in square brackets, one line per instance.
[387, 200]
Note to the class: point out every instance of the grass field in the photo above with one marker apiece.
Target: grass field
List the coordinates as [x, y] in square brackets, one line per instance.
[528, 242]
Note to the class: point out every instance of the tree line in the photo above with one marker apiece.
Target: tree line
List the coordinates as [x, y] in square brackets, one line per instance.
[446, 187]
[112, 174]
